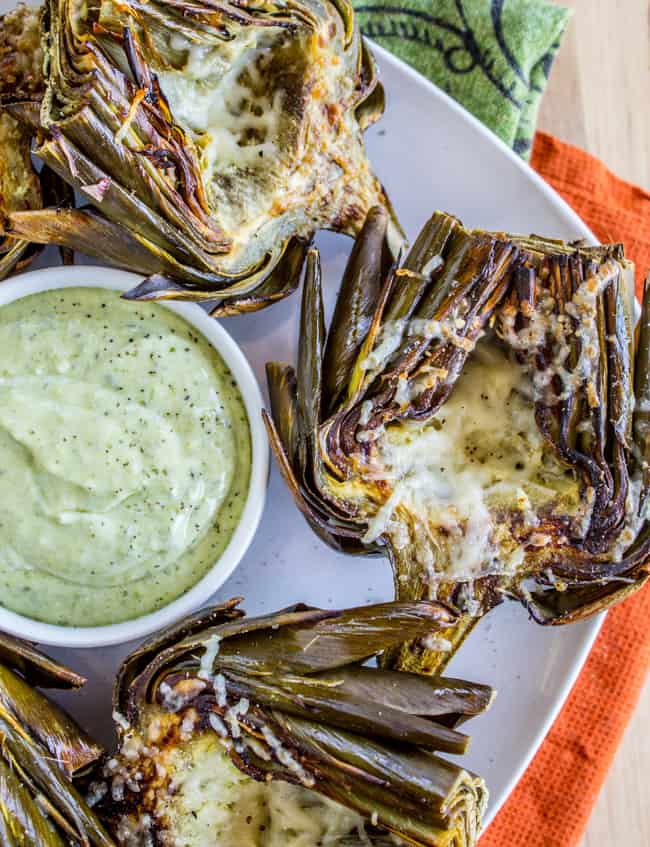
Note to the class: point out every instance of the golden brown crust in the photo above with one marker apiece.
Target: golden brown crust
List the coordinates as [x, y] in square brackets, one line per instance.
[19, 184]
[21, 77]
[21, 54]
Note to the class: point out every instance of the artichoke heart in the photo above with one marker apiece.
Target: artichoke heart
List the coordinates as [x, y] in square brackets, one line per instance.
[273, 732]
[41, 751]
[479, 414]
[211, 139]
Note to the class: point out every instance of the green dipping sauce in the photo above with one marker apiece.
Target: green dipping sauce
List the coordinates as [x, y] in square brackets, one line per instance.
[124, 457]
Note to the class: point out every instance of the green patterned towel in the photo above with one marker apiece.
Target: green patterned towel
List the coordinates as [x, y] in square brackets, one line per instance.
[493, 56]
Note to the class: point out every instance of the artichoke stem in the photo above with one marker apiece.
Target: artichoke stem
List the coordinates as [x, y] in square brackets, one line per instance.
[429, 655]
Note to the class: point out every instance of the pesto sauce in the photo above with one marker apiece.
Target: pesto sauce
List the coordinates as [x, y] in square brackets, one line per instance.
[124, 457]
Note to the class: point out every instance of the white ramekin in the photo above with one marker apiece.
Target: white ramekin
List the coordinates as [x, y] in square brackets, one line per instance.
[88, 276]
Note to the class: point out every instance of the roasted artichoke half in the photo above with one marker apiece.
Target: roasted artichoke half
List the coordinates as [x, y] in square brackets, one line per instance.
[479, 413]
[212, 139]
[21, 60]
[41, 750]
[22, 187]
[273, 732]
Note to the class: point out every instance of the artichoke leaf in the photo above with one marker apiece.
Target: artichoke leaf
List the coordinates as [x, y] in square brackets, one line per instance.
[22, 822]
[355, 305]
[431, 696]
[35, 666]
[331, 703]
[39, 772]
[41, 750]
[56, 731]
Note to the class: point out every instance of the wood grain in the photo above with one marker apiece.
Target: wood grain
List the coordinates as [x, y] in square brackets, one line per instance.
[599, 91]
[599, 99]
[621, 817]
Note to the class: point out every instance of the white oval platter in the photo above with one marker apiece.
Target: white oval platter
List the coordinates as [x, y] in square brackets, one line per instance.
[430, 154]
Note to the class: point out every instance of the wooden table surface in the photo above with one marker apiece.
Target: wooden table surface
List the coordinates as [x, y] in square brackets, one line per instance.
[599, 99]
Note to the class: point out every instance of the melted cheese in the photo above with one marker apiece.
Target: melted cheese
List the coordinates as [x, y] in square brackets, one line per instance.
[546, 327]
[269, 119]
[211, 803]
[479, 456]
[226, 98]
[233, 123]
[209, 655]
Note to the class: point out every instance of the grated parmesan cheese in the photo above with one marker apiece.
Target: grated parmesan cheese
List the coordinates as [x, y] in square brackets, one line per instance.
[234, 712]
[285, 758]
[211, 802]
[219, 684]
[208, 657]
[481, 452]
[172, 701]
[96, 792]
[120, 720]
[217, 725]
[438, 643]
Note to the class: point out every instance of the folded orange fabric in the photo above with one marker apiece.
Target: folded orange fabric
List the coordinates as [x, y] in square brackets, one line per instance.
[552, 803]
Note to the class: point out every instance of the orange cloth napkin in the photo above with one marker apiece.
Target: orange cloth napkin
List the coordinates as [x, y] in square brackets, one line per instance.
[552, 803]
